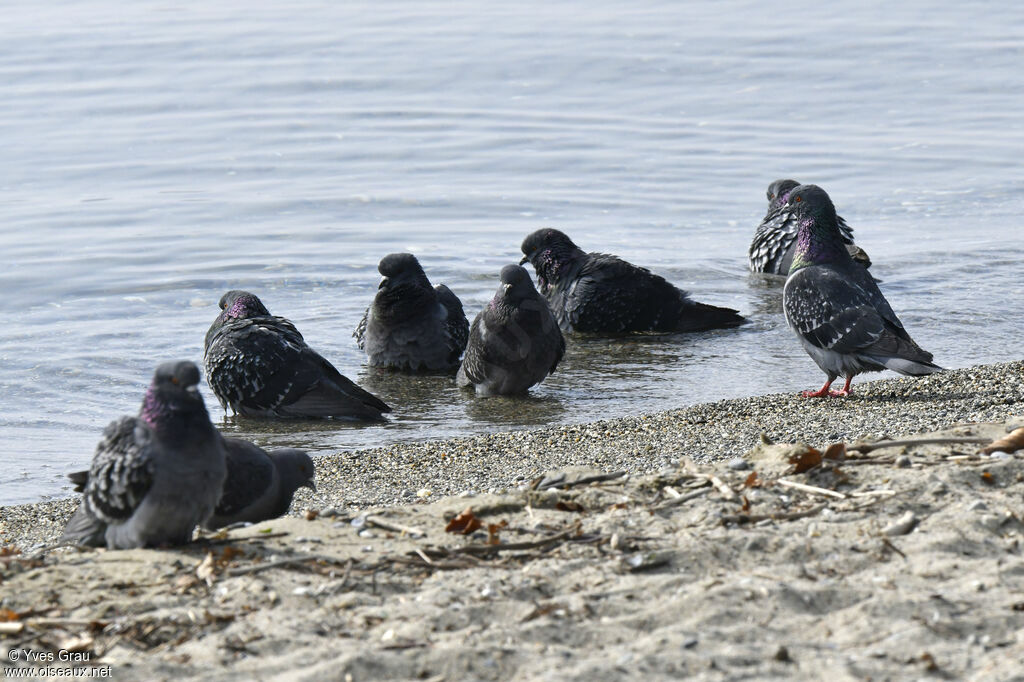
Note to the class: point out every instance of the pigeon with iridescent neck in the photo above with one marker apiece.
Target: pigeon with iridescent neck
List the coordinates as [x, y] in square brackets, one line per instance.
[595, 293]
[154, 477]
[835, 307]
[260, 366]
[412, 326]
[774, 243]
[514, 342]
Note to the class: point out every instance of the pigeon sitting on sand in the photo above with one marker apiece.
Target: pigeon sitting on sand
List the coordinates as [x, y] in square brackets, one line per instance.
[601, 294]
[260, 366]
[154, 477]
[412, 326]
[774, 243]
[260, 483]
[836, 308]
[514, 342]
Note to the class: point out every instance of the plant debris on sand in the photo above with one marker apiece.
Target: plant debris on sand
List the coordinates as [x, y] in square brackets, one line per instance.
[839, 561]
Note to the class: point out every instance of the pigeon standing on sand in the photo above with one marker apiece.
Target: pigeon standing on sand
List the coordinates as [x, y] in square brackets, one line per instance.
[260, 484]
[260, 366]
[154, 477]
[836, 308]
[412, 326]
[602, 294]
[774, 243]
[514, 342]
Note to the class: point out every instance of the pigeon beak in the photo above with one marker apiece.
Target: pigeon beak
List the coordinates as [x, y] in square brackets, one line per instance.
[383, 283]
[526, 259]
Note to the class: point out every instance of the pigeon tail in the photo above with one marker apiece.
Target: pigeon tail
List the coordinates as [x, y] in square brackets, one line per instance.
[702, 317]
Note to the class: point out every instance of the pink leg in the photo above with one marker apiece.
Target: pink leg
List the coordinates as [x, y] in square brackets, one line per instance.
[846, 390]
[822, 393]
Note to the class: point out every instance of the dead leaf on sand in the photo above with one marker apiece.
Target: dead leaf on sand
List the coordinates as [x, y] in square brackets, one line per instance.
[464, 523]
[805, 461]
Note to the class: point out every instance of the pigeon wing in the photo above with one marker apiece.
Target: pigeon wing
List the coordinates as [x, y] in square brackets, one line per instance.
[122, 470]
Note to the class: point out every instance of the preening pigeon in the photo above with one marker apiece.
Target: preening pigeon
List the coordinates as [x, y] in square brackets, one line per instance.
[260, 366]
[412, 326]
[514, 342]
[154, 477]
[260, 483]
[774, 243]
[601, 294]
[835, 306]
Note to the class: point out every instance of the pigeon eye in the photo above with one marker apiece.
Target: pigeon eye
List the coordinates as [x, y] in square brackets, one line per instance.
[174, 380]
[797, 199]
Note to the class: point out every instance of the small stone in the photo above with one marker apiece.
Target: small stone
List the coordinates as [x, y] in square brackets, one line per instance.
[690, 643]
[366, 533]
[330, 512]
[782, 655]
[738, 464]
[902, 525]
[904, 461]
[977, 505]
[311, 514]
[424, 493]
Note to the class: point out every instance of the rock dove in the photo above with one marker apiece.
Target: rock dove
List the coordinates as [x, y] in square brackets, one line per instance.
[774, 242]
[412, 326]
[259, 365]
[154, 477]
[601, 294]
[514, 342]
[260, 484]
[834, 305]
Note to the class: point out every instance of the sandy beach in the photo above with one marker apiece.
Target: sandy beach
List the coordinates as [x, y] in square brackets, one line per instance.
[714, 541]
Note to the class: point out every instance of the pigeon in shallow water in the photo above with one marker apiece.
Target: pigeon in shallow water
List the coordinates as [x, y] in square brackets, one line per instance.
[260, 366]
[260, 484]
[154, 477]
[514, 342]
[774, 243]
[412, 326]
[834, 305]
[601, 294]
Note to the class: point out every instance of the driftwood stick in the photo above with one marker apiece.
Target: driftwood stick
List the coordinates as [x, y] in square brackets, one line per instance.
[813, 489]
[754, 518]
[682, 499]
[583, 480]
[291, 561]
[949, 440]
[381, 522]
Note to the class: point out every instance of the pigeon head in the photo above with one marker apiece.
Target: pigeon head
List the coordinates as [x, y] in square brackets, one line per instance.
[551, 253]
[401, 268]
[241, 304]
[778, 193]
[818, 237]
[516, 285]
[296, 470]
[173, 392]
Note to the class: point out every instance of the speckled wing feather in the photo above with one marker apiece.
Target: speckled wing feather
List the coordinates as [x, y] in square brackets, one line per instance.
[359, 334]
[122, 470]
[456, 325]
[833, 313]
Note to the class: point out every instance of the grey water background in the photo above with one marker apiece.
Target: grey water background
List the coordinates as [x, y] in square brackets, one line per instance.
[156, 154]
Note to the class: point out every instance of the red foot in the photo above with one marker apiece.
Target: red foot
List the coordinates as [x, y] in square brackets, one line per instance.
[824, 391]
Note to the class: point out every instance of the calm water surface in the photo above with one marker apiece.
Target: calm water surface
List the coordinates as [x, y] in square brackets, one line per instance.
[158, 154]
